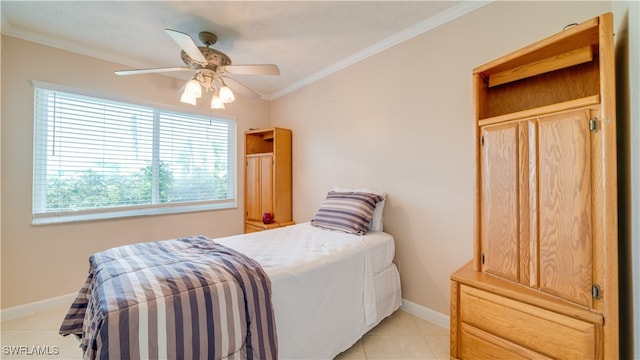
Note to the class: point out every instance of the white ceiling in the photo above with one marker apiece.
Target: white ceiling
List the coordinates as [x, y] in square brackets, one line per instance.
[306, 39]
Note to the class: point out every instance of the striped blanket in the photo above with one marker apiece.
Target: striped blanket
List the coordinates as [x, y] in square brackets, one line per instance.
[187, 298]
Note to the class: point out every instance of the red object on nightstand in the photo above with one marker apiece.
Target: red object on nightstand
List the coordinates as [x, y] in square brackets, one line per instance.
[267, 218]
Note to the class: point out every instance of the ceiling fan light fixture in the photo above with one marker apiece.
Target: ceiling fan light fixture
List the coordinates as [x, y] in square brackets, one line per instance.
[216, 102]
[193, 89]
[226, 95]
[187, 98]
[210, 64]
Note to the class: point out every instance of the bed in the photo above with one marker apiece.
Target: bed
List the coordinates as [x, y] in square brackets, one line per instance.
[327, 289]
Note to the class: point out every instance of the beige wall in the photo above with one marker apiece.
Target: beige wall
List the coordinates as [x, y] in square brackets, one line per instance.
[44, 261]
[401, 121]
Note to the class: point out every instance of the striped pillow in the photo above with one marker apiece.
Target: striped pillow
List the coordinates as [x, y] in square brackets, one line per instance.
[350, 212]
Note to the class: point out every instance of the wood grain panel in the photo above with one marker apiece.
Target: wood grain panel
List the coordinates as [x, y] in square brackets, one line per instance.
[541, 111]
[565, 242]
[556, 86]
[505, 288]
[257, 143]
[255, 225]
[524, 222]
[598, 214]
[258, 186]
[252, 188]
[572, 83]
[282, 177]
[537, 329]
[607, 199]
[534, 255]
[585, 33]
[480, 90]
[552, 63]
[500, 195]
[266, 185]
[454, 320]
[478, 344]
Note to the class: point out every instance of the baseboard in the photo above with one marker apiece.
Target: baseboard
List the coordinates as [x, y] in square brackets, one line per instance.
[35, 307]
[431, 316]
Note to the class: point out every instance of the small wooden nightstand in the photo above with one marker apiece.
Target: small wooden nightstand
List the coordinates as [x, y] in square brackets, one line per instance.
[253, 226]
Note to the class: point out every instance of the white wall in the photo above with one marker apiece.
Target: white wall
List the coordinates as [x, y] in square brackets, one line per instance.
[402, 121]
[45, 261]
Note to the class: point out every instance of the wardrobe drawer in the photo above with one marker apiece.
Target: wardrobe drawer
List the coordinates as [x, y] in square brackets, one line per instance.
[531, 327]
[480, 345]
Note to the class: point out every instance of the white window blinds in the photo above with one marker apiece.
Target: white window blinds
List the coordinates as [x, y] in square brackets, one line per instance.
[96, 158]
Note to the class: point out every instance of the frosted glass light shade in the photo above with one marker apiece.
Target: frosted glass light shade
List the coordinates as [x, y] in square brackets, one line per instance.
[216, 102]
[193, 88]
[226, 95]
[187, 98]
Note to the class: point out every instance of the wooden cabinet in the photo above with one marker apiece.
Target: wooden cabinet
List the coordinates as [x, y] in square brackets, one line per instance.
[500, 172]
[260, 191]
[267, 178]
[543, 280]
[497, 320]
[535, 215]
[566, 241]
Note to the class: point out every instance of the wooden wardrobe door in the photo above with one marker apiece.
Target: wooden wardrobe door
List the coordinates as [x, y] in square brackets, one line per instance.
[266, 184]
[565, 240]
[499, 209]
[252, 188]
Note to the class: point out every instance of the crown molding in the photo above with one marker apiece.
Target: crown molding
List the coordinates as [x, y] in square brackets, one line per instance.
[47, 39]
[421, 27]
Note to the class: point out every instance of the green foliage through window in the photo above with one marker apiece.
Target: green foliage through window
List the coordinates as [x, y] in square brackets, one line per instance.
[95, 155]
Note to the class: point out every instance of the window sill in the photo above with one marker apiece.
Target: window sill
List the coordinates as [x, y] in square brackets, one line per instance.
[44, 219]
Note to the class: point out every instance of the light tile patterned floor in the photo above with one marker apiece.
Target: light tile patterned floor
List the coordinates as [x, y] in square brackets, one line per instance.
[21, 335]
[400, 336]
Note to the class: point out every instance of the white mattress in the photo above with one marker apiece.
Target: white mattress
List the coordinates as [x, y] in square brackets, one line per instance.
[328, 287]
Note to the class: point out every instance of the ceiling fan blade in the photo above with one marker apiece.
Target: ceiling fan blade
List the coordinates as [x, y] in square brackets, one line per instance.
[186, 43]
[242, 89]
[261, 69]
[153, 70]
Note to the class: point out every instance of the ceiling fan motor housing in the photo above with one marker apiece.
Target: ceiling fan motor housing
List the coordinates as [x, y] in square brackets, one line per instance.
[215, 59]
[207, 38]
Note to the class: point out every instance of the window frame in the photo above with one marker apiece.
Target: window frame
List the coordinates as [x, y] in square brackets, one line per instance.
[44, 217]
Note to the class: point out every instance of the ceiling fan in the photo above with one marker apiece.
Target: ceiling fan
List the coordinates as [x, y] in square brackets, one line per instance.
[212, 68]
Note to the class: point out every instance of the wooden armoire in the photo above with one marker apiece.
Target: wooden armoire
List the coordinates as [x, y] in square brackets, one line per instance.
[543, 282]
[267, 178]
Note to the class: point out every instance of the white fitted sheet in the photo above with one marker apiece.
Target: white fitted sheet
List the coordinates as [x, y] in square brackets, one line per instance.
[302, 244]
[328, 288]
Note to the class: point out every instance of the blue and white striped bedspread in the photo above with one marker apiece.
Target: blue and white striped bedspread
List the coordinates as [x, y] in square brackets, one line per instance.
[187, 298]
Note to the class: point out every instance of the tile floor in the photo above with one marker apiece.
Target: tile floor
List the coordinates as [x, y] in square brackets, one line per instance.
[400, 336]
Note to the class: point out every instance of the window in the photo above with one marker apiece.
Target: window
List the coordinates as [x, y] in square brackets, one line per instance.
[97, 158]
